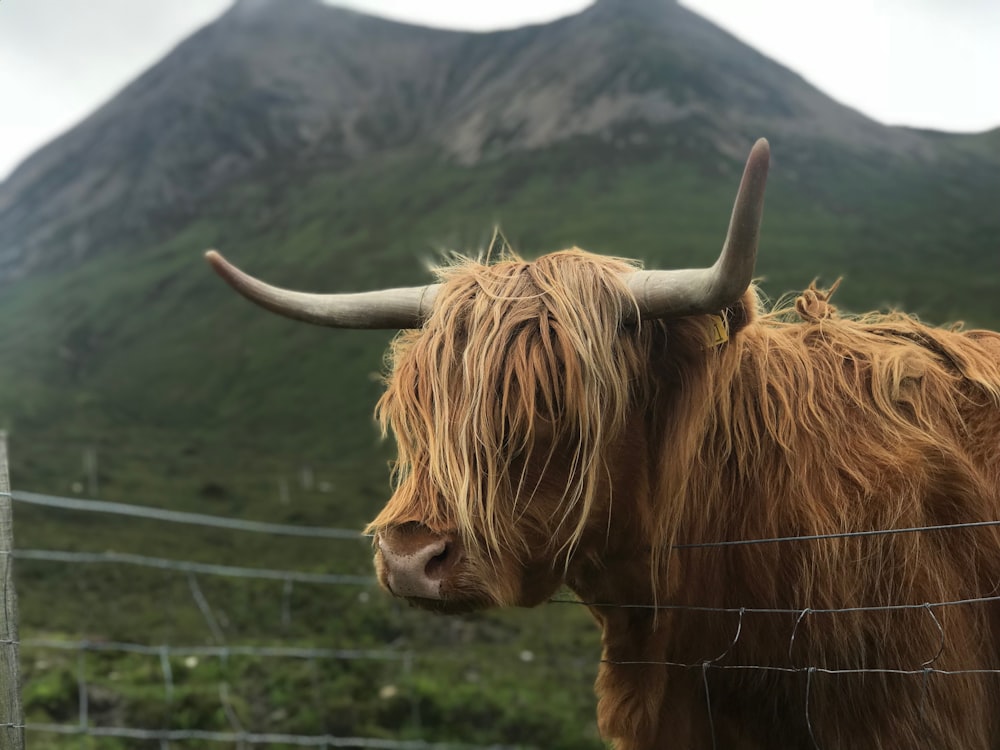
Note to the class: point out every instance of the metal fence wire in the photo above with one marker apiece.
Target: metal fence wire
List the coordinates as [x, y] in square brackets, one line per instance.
[12, 725]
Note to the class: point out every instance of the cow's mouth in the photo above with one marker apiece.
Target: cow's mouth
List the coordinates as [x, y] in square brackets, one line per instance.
[452, 606]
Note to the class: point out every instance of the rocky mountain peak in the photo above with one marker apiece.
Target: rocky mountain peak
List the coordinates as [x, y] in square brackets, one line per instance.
[301, 85]
[650, 4]
[250, 9]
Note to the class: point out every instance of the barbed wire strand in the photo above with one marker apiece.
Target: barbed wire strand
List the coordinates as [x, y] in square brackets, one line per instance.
[82, 693]
[205, 609]
[230, 713]
[836, 535]
[795, 630]
[187, 566]
[222, 652]
[801, 611]
[183, 517]
[812, 736]
[708, 703]
[800, 670]
[941, 642]
[168, 684]
[256, 738]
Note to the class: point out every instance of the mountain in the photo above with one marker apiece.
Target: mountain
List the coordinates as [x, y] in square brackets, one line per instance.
[287, 84]
[315, 142]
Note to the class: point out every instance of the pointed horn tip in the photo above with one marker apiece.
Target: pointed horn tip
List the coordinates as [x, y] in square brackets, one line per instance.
[761, 151]
[229, 273]
[219, 264]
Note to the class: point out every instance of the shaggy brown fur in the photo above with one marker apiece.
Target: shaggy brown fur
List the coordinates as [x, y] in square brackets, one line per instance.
[563, 446]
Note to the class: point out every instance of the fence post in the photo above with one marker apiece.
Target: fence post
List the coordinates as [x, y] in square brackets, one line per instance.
[11, 712]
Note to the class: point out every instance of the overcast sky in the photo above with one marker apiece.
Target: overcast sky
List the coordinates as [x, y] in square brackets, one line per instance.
[925, 63]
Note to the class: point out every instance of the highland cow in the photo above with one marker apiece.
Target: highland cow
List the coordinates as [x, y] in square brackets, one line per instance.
[577, 421]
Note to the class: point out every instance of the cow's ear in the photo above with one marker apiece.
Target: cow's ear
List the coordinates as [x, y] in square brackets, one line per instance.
[741, 313]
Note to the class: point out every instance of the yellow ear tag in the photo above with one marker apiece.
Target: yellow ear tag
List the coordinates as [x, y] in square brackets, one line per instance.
[720, 331]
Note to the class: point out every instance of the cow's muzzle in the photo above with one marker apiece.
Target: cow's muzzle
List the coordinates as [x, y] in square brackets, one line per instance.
[417, 562]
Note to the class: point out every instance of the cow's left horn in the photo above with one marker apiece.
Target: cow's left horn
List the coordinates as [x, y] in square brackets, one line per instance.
[674, 294]
[389, 308]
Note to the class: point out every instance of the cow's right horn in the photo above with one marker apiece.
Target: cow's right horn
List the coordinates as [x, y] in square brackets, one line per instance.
[674, 294]
[390, 308]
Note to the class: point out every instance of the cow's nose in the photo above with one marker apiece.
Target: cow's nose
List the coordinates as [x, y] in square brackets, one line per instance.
[418, 570]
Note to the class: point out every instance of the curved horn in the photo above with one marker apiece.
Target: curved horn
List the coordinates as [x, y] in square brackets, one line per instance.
[390, 308]
[674, 294]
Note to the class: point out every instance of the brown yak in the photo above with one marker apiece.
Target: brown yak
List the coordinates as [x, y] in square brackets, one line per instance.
[577, 421]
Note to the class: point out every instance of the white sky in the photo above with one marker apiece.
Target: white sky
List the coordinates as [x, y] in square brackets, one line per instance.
[925, 63]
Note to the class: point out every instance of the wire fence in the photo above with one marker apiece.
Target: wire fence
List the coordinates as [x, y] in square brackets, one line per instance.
[165, 654]
[922, 671]
[12, 721]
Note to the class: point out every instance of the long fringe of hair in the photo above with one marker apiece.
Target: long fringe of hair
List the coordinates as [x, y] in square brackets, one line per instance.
[517, 357]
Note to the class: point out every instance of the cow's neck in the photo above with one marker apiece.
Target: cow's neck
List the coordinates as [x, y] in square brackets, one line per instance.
[634, 642]
[630, 601]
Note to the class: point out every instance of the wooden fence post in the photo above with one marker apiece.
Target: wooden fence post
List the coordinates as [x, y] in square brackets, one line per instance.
[11, 711]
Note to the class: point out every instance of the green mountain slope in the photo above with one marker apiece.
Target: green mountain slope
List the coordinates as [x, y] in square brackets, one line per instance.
[151, 340]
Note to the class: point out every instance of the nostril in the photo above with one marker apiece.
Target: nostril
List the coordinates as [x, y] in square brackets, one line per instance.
[440, 564]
